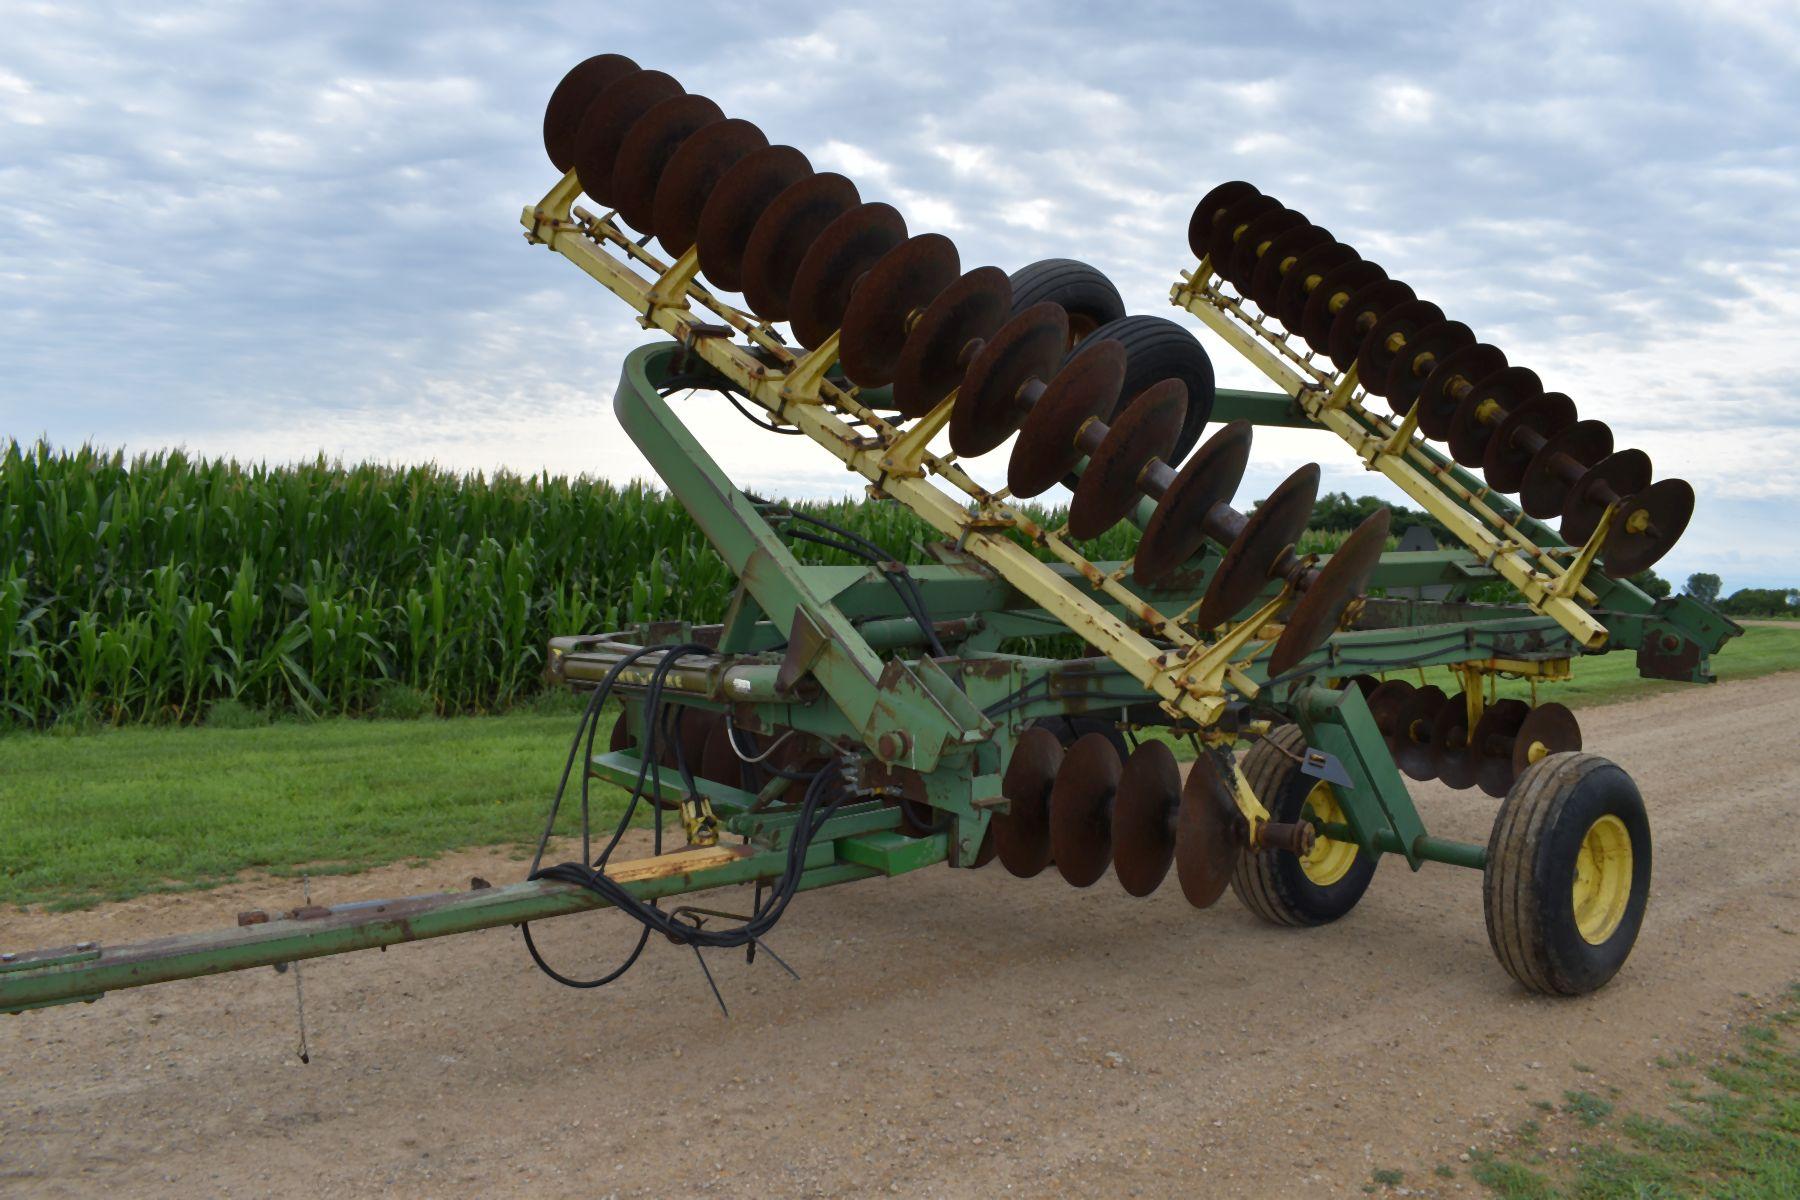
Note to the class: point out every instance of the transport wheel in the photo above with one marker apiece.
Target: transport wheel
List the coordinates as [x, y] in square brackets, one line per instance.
[1286, 889]
[1157, 349]
[1085, 293]
[1568, 874]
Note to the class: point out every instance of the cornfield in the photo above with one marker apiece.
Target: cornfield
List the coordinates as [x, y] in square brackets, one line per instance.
[147, 589]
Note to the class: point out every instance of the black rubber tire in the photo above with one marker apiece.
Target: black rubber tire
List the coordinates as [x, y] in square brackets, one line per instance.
[1156, 349]
[1272, 883]
[1084, 292]
[1068, 729]
[1528, 887]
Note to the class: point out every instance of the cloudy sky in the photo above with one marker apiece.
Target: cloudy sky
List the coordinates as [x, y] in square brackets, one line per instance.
[268, 231]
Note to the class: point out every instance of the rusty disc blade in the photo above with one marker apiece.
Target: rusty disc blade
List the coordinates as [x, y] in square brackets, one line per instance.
[897, 288]
[1450, 380]
[1389, 340]
[688, 181]
[743, 193]
[1421, 355]
[562, 116]
[1301, 279]
[1412, 731]
[1549, 729]
[1086, 388]
[1350, 327]
[1208, 835]
[1479, 414]
[1621, 473]
[1386, 703]
[1143, 818]
[931, 363]
[1110, 485]
[718, 761]
[1255, 240]
[1178, 526]
[1081, 809]
[1450, 743]
[783, 235]
[1330, 590]
[647, 149]
[835, 264]
[992, 400]
[1491, 745]
[624, 733]
[1364, 684]
[1509, 451]
[1022, 834]
[1328, 298]
[1276, 525]
[1646, 526]
[1211, 207]
[1282, 253]
[1233, 223]
[608, 118]
[1554, 469]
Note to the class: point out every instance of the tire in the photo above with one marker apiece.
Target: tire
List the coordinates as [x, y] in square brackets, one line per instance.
[1155, 349]
[1279, 887]
[1086, 294]
[1069, 729]
[1561, 811]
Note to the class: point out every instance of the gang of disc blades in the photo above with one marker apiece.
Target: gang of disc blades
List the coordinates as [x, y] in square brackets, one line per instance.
[1254, 241]
[1550, 728]
[932, 361]
[562, 116]
[647, 150]
[1506, 458]
[1341, 580]
[1109, 488]
[835, 264]
[899, 285]
[1275, 525]
[784, 233]
[1081, 809]
[1087, 388]
[1143, 818]
[1022, 834]
[1449, 381]
[990, 404]
[1450, 743]
[743, 193]
[689, 179]
[1510, 388]
[1386, 703]
[1211, 207]
[1232, 223]
[1414, 724]
[1554, 469]
[1176, 529]
[606, 121]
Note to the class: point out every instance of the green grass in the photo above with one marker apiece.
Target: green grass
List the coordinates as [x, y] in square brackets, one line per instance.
[126, 811]
[1738, 1138]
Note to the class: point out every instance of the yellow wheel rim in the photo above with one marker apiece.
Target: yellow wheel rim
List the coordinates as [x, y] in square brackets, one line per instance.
[1328, 861]
[1602, 879]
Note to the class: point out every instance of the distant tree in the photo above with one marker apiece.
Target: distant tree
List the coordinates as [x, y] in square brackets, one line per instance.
[1704, 585]
[1339, 512]
[1760, 602]
[1652, 584]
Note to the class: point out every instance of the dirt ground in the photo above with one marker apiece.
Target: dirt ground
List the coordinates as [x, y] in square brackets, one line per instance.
[953, 1033]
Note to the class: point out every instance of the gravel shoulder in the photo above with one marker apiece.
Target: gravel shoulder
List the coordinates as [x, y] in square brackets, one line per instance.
[952, 1033]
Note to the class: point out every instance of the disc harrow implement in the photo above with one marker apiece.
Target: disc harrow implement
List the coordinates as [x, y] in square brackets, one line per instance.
[1231, 700]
